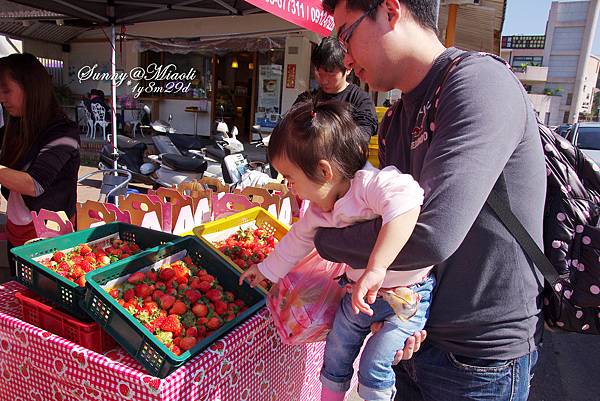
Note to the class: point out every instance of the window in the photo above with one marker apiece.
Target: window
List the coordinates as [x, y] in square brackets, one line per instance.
[566, 117]
[569, 99]
[523, 42]
[55, 69]
[193, 65]
[588, 138]
[534, 61]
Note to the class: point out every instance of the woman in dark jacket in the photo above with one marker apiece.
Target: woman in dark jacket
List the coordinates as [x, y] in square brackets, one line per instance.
[39, 159]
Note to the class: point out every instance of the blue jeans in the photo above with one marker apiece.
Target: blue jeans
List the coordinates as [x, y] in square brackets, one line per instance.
[435, 375]
[375, 376]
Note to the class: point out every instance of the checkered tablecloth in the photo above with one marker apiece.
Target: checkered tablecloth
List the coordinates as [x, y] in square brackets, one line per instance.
[250, 363]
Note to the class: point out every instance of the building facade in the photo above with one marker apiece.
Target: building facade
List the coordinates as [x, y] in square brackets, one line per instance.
[557, 68]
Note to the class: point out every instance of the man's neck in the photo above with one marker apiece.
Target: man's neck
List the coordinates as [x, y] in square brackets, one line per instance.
[340, 89]
[417, 65]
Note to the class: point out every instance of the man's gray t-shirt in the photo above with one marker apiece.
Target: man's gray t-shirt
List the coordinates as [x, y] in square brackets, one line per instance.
[487, 300]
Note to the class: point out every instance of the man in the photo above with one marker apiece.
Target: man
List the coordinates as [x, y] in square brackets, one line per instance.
[485, 321]
[331, 74]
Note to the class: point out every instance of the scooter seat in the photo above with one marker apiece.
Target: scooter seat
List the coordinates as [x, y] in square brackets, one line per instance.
[124, 142]
[185, 163]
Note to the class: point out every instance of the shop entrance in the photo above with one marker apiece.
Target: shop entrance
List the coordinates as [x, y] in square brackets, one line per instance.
[234, 91]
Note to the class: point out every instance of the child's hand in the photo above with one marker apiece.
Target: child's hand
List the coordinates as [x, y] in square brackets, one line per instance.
[368, 285]
[253, 276]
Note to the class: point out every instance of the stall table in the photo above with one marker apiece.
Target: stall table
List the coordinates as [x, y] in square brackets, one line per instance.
[250, 363]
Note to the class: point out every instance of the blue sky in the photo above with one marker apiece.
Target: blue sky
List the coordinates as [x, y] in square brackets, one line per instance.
[528, 17]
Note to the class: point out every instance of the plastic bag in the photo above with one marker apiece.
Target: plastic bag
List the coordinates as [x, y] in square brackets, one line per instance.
[303, 303]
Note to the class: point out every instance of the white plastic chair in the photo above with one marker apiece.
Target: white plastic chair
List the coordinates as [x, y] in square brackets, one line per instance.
[90, 128]
[99, 117]
[136, 121]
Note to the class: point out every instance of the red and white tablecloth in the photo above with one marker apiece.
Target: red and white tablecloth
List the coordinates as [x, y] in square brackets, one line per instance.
[250, 363]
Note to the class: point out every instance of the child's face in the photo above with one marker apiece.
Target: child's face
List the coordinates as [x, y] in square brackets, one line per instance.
[323, 195]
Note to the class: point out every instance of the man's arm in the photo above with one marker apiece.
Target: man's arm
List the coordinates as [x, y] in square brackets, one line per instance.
[479, 124]
[363, 111]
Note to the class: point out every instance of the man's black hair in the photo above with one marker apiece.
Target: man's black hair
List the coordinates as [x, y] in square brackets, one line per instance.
[423, 11]
[329, 55]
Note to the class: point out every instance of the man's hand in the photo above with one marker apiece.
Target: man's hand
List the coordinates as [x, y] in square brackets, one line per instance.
[367, 286]
[253, 276]
[411, 345]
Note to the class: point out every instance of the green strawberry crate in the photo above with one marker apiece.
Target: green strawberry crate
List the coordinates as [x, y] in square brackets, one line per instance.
[131, 334]
[58, 289]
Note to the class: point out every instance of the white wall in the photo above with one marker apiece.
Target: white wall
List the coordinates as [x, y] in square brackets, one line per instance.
[302, 62]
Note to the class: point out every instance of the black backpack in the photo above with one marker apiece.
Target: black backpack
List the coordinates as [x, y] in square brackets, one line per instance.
[570, 262]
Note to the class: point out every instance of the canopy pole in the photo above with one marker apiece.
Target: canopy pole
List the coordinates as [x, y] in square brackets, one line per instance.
[113, 91]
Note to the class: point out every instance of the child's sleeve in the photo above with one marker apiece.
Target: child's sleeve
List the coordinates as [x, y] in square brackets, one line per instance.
[292, 248]
[389, 193]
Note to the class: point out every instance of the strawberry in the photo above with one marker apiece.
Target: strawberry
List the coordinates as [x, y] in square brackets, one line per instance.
[166, 301]
[157, 294]
[84, 249]
[214, 295]
[167, 274]
[191, 332]
[187, 260]
[175, 349]
[213, 323]
[187, 343]
[220, 307]
[142, 290]
[80, 281]
[58, 256]
[204, 286]
[114, 293]
[201, 331]
[172, 325]
[103, 260]
[229, 317]
[129, 295]
[200, 310]
[208, 277]
[152, 276]
[229, 297]
[136, 278]
[193, 296]
[124, 256]
[178, 308]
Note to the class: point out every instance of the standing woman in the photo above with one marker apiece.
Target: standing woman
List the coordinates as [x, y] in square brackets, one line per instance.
[39, 159]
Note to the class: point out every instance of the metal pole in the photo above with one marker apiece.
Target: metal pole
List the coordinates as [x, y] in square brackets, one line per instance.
[113, 85]
[451, 25]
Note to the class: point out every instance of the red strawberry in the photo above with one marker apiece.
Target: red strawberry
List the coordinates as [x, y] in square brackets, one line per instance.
[201, 331]
[193, 296]
[207, 277]
[191, 332]
[84, 249]
[214, 295]
[114, 293]
[142, 290]
[204, 286]
[58, 256]
[213, 323]
[172, 325]
[179, 308]
[229, 317]
[187, 260]
[175, 349]
[187, 343]
[129, 295]
[80, 281]
[200, 310]
[136, 278]
[157, 294]
[229, 297]
[167, 274]
[152, 276]
[166, 301]
[103, 260]
[220, 307]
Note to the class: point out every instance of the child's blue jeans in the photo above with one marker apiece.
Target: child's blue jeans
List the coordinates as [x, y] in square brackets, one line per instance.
[375, 375]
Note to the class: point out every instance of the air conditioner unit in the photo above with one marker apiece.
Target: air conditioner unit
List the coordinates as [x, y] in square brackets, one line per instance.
[460, 2]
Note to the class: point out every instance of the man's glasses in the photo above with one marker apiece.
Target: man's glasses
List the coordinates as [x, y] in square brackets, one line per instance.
[345, 35]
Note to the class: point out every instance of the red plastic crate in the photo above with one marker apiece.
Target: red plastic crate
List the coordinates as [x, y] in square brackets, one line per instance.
[44, 315]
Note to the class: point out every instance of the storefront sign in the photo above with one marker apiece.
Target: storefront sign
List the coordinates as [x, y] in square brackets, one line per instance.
[308, 14]
[269, 95]
[290, 79]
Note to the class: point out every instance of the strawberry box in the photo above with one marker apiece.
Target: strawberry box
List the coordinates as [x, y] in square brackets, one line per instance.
[32, 272]
[111, 302]
[218, 233]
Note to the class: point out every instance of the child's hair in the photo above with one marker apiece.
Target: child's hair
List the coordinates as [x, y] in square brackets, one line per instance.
[312, 132]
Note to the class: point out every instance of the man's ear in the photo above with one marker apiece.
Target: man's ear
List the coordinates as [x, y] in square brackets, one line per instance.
[393, 11]
[326, 170]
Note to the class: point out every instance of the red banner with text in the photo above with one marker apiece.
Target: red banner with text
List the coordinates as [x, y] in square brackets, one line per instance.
[308, 14]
